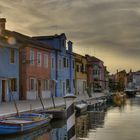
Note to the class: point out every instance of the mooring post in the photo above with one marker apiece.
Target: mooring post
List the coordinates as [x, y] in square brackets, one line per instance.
[69, 98]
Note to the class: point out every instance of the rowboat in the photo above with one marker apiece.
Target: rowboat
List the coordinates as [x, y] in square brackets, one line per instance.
[23, 123]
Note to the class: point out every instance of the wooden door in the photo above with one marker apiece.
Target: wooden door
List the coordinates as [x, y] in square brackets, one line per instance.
[3, 90]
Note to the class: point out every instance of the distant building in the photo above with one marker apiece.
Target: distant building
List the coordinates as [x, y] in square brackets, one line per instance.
[96, 73]
[62, 63]
[136, 80]
[80, 74]
[121, 79]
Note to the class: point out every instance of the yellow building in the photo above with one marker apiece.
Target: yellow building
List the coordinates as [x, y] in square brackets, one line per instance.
[80, 73]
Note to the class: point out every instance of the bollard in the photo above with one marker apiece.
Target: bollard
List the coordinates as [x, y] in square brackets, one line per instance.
[69, 98]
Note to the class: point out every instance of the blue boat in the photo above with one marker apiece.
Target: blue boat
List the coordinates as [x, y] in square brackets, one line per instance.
[23, 123]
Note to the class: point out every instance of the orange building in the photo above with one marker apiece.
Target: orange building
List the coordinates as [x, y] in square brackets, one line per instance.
[80, 74]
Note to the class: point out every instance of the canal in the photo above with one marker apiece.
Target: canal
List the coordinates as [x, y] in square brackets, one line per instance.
[116, 123]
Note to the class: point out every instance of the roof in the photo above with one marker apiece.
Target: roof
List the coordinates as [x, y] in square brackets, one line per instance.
[93, 59]
[25, 39]
[49, 37]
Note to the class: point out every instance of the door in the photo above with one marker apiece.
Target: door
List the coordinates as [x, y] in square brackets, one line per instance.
[39, 88]
[3, 90]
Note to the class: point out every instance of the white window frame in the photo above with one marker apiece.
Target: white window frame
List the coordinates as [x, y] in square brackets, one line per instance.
[46, 60]
[32, 57]
[39, 58]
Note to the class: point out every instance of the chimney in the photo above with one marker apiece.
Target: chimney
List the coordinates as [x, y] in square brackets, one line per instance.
[2, 24]
[70, 46]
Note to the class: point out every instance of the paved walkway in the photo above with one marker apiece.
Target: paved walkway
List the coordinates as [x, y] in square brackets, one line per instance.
[8, 108]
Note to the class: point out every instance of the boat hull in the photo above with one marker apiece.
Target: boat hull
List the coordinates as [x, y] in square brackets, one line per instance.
[14, 128]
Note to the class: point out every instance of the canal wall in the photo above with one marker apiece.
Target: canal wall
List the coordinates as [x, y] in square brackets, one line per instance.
[8, 108]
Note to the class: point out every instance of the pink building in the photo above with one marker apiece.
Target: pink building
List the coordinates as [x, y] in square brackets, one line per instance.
[96, 73]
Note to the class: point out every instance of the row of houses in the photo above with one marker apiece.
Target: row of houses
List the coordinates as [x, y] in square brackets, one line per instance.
[42, 66]
[122, 80]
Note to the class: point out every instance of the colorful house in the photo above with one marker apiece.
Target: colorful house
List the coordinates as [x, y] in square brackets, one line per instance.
[31, 66]
[62, 63]
[96, 74]
[80, 74]
[120, 77]
[9, 66]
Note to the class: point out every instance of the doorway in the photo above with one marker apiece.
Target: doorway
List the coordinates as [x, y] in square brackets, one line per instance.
[3, 90]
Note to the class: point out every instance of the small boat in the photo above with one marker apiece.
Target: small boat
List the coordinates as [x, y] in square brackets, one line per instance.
[81, 108]
[119, 98]
[23, 123]
[131, 92]
[56, 113]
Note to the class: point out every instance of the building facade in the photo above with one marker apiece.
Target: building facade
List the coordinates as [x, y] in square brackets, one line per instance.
[80, 74]
[120, 77]
[62, 63]
[9, 67]
[96, 74]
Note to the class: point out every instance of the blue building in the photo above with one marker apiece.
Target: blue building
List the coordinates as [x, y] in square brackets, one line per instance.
[62, 63]
[9, 71]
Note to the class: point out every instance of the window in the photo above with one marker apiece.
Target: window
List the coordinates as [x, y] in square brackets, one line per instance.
[60, 64]
[46, 60]
[77, 68]
[38, 58]
[52, 63]
[67, 63]
[32, 84]
[73, 64]
[63, 42]
[64, 62]
[13, 84]
[82, 68]
[12, 55]
[67, 85]
[31, 57]
[46, 84]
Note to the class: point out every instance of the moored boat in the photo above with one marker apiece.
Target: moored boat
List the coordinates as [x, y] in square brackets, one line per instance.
[23, 123]
[131, 92]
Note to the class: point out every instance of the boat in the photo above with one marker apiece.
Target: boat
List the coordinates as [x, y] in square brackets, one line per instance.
[23, 123]
[81, 108]
[57, 113]
[131, 92]
[119, 98]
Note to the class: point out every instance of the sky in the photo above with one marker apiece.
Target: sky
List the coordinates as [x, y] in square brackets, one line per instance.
[107, 29]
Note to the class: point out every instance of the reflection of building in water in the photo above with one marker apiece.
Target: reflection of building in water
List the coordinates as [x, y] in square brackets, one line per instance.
[96, 119]
[45, 136]
[82, 126]
[59, 133]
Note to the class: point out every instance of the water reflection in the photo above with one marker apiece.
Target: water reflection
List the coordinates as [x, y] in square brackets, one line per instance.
[96, 119]
[116, 123]
[55, 131]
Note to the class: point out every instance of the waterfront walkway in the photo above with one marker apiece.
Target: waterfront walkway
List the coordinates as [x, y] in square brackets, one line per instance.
[8, 108]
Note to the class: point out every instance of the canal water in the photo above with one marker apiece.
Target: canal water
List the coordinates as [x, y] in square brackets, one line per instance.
[116, 123]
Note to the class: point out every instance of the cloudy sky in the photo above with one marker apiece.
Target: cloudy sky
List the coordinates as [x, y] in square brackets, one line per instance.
[108, 29]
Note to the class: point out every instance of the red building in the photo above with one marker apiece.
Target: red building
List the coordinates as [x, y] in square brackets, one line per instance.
[35, 71]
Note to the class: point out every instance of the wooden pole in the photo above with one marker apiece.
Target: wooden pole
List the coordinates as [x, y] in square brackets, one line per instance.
[41, 102]
[15, 104]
